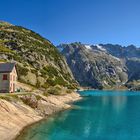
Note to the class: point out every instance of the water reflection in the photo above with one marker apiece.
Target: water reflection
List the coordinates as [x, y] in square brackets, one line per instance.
[87, 129]
[117, 102]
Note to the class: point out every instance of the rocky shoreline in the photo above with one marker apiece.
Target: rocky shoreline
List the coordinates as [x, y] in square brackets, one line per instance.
[16, 115]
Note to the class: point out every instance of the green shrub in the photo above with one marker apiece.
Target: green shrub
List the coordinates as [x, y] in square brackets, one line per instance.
[71, 86]
[50, 71]
[38, 97]
[46, 93]
[34, 71]
[69, 91]
[60, 81]
[54, 91]
[38, 84]
[21, 70]
[51, 82]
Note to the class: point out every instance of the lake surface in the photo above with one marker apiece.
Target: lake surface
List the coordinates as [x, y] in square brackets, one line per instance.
[101, 115]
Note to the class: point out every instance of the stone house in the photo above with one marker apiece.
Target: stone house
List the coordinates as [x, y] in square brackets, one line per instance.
[8, 77]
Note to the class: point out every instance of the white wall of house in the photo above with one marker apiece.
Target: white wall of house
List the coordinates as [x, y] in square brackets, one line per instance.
[13, 80]
[8, 81]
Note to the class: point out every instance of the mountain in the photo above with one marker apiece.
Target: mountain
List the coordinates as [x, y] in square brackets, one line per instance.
[39, 63]
[104, 65]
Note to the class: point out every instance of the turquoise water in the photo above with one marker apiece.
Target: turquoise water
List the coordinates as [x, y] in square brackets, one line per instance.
[101, 115]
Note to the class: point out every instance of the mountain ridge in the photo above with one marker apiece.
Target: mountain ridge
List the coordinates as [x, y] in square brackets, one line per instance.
[104, 60]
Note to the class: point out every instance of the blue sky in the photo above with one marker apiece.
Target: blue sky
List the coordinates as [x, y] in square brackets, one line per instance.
[86, 21]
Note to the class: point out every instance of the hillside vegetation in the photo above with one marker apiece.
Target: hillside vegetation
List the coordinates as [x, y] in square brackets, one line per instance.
[38, 61]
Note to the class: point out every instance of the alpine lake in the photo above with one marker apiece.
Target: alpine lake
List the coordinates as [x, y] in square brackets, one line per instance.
[100, 115]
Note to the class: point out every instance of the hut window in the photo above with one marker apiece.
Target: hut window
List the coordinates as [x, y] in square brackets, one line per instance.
[5, 77]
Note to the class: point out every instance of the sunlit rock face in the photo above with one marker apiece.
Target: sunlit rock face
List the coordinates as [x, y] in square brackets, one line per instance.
[102, 65]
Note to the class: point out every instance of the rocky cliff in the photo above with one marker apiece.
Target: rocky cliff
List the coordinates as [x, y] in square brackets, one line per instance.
[104, 65]
[38, 61]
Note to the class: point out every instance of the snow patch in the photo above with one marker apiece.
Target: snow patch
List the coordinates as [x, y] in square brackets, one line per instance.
[88, 47]
[115, 57]
[87, 68]
[100, 47]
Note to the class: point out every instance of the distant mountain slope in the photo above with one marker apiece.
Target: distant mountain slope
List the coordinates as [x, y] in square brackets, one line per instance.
[122, 52]
[39, 63]
[104, 65]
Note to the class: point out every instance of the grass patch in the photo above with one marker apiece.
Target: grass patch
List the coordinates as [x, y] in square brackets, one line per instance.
[4, 97]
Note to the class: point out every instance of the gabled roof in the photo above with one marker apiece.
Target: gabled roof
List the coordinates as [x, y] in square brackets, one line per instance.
[6, 67]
